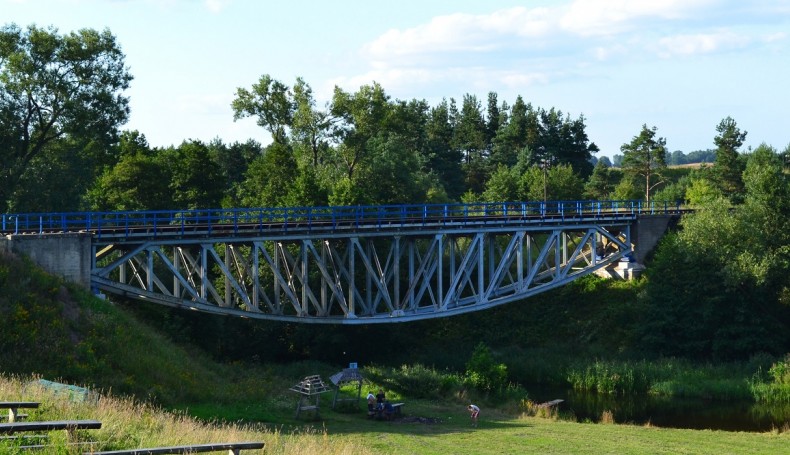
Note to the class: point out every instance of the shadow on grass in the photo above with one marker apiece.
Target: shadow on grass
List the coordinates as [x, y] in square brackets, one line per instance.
[424, 419]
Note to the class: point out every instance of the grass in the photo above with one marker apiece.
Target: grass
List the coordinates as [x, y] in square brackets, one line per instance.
[127, 423]
[132, 424]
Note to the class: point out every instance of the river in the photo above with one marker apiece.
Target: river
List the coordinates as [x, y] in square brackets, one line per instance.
[693, 413]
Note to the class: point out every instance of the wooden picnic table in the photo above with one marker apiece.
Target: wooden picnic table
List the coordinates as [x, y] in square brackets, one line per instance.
[52, 425]
[14, 407]
[233, 448]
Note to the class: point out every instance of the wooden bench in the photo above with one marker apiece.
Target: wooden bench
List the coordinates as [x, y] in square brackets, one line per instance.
[233, 448]
[549, 404]
[70, 426]
[396, 408]
[14, 407]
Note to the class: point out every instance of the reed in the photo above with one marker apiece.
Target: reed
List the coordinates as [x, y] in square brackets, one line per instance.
[671, 377]
[773, 386]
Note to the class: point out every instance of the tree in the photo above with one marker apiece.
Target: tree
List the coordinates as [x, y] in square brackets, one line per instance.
[768, 194]
[493, 119]
[311, 127]
[577, 149]
[195, 179]
[702, 191]
[470, 130]
[359, 117]
[728, 168]
[502, 186]
[139, 181]
[270, 177]
[54, 87]
[645, 156]
[599, 185]
[626, 190]
[271, 102]
[232, 161]
[555, 183]
[441, 158]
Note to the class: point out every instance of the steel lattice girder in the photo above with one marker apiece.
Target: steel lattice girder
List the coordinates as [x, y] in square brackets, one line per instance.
[355, 279]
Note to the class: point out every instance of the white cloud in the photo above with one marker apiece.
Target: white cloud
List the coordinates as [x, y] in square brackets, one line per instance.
[463, 33]
[608, 17]
[686, 45]
[215, 6]
[774, 37]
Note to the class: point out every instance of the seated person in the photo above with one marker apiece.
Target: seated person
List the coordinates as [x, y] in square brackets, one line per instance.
[371, 403]
[380, 397]
[388, 410]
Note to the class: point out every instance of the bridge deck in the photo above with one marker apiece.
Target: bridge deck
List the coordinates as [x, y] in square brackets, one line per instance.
[285, 221]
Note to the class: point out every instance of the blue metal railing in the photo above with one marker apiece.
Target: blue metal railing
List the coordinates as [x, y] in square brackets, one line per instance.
[309, 218]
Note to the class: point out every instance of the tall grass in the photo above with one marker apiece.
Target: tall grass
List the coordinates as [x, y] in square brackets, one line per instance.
[773, 387]
[127, 423]
[666, 377]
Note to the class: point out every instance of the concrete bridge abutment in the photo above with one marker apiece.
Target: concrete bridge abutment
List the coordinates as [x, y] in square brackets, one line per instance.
[67, 255]
[646, 232]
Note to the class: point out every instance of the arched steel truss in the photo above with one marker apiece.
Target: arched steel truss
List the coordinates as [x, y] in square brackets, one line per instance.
[374, 276]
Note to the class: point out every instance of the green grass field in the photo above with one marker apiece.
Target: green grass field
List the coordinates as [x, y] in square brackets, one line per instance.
[427, 427]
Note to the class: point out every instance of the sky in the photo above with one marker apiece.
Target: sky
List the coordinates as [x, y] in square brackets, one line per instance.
[678, 65]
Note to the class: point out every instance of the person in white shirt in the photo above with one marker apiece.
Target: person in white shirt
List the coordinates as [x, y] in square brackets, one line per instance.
[371, 403]
[474, 411]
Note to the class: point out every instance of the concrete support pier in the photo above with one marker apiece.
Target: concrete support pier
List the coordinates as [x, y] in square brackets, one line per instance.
[65, 255]
[645, 235]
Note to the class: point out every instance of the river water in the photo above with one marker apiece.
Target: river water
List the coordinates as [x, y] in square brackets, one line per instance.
[666, 412]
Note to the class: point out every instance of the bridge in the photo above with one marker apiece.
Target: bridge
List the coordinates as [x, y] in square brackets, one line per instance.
[338, 265]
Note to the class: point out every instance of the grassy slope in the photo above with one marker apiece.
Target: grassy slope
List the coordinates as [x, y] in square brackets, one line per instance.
[53, 329]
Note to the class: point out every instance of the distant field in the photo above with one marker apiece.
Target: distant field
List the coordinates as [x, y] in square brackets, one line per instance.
[691, 165]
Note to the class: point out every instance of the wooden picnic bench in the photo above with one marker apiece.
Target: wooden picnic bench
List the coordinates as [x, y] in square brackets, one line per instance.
[14, 407]
[397, 407]
[233, 448]
[387, 412]
[70, 426]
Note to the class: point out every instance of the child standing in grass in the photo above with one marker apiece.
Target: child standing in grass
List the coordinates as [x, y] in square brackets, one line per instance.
[474, 411]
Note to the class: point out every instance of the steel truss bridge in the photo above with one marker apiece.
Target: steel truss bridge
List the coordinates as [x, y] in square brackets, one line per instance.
[348, 265]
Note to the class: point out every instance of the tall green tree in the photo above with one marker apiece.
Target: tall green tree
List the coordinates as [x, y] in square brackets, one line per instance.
[139, 181]
[232, 161]
[311, 126]
[599, 186]
[728, 167]
[195, 178]
[493, 119]
[53, 87]
[645, 157]
[269, 179]
[502, 186]
[360, 117]
[440, 156]
[470, 130]
[271, 102]
[555, 183]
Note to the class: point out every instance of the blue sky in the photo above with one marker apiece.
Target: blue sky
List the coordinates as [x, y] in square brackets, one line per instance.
[679, 65]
